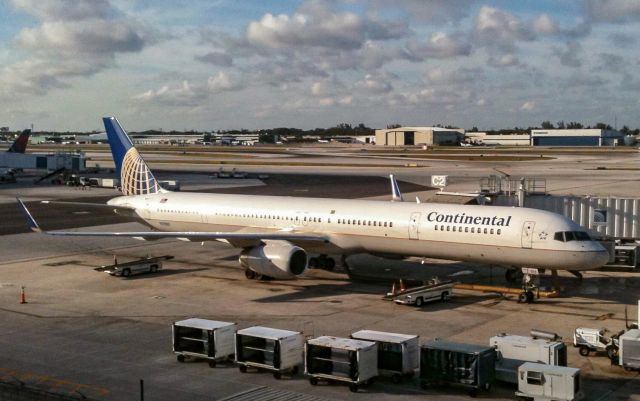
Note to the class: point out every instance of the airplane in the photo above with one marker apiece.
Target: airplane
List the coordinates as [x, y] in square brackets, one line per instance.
[277, 234]
[19, 146]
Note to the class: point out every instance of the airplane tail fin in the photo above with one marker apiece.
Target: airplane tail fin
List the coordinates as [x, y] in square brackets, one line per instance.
[20, 144]
[135, 176]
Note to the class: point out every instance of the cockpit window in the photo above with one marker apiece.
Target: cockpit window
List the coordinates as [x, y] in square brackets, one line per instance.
[566, 236]
[582, 236]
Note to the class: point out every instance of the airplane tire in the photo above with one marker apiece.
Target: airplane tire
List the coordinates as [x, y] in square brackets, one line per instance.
[530, 297]
[330, 264]
[612, 352]
[522, 297]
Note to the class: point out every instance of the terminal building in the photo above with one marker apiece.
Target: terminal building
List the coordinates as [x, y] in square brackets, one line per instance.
[576, 137]
[407, 136]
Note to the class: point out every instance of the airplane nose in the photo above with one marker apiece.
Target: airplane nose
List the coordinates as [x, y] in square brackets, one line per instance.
[602, 257]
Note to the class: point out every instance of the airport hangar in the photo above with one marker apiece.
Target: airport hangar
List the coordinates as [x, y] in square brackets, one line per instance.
[576, 137]
[407, 136]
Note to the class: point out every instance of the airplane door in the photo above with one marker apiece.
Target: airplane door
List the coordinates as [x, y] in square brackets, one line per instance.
[414, 225]
[527, 233]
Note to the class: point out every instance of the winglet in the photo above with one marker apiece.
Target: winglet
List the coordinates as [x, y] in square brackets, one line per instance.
[30, 220]
[395, 189]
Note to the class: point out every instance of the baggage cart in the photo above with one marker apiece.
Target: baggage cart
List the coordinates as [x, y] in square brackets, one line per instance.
[541, 382]
[264, 348]
[203, 339]
[468, 365]
[512, 351]
[341, 359]
[398, 354]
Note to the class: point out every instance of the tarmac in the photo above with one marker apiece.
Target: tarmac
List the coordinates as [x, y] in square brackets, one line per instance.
[82, 331]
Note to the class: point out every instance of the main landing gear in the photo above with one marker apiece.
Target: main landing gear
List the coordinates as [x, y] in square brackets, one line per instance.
[322, 262]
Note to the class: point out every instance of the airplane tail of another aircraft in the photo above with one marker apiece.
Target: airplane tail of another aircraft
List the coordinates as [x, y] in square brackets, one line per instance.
[20, 144]
[135, 176]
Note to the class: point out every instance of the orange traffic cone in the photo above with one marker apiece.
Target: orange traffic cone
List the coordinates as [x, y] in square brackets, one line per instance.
[402, 287]
[23, 296]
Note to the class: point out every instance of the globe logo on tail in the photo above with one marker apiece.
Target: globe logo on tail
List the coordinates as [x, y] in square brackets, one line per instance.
[136, 178]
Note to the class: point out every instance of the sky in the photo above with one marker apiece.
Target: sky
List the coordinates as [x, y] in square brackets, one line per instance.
[228, 64]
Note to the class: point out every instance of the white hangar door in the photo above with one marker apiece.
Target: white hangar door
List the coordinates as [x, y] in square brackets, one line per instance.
[527, 233]
[414, 225]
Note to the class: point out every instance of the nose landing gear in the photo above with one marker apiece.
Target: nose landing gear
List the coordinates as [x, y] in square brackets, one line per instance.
[530, 285]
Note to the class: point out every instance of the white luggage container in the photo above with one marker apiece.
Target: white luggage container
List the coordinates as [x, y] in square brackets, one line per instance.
[204, 339]
[270, 349]
[513, 351]
[341, 359]
[629, 352]
[542, 382]
[398, 354]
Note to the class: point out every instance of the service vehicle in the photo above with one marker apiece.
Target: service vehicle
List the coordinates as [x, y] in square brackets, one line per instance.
[140, 266]
[594, 340]
[434, 289]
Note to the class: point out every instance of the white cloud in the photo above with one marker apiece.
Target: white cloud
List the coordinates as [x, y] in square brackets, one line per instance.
[545, 25]
[65, 10]
[222, 82]
[441, 45]
[529, 105]
[320, 27]
[74, 39]
[613, 10]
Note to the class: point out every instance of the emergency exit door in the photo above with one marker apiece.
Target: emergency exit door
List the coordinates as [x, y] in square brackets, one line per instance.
[527, 233]
[414, 225]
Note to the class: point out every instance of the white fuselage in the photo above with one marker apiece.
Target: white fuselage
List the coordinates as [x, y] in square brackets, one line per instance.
[486, 234]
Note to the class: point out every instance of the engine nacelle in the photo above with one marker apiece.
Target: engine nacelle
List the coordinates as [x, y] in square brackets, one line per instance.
[277, 259]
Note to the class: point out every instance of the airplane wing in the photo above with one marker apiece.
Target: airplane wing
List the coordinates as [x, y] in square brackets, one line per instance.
[231, 237]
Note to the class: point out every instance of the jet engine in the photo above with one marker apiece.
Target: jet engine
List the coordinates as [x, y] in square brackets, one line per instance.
[277, 259]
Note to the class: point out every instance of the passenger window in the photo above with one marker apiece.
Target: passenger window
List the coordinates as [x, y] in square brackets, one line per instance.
[499, 231]
[391, 224]
[473, 230]
[448, 228]
[436, 228]
[466, 229]
[485, 230]
[385, 223]
[491, 231]
[454, 229]
[558, 237]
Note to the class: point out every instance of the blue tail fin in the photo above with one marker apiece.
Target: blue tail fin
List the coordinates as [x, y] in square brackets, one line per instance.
[135, 176]
[20, 144]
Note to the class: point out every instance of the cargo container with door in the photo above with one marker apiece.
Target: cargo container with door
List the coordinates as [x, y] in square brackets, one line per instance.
[541, 382]
[629, 352]
[341, 359]
[398, 354]
[275, 350]
[512, 351]
[468, 365]
[203, 339]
